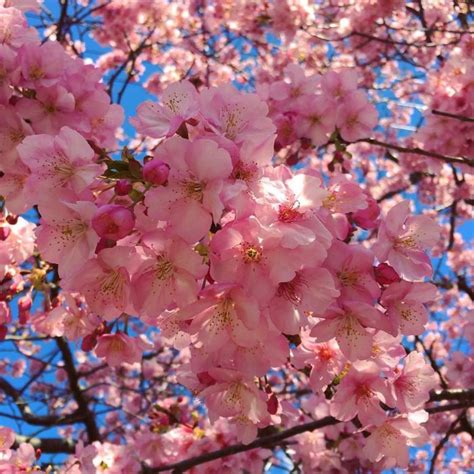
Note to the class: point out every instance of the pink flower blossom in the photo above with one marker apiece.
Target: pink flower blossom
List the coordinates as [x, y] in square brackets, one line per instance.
[352, 267]
[246, 253]
[223, 313]
[338, 85]
[414, 382]
[191, 200]
[325, 360]
[318, 120]
[105, 282]
[389, 442]
[65, 235]
[404, 302]
[241, 119]
[356, 117]
[119, 348]
[234, 396]
[179, 103]
[42, 65]
[402, 240]
[348, 325]
[360, 393]
[7, 438]
[167, 275]
[309, 293]
[65, 160]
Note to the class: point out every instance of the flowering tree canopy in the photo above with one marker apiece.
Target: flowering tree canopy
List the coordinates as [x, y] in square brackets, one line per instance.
[235, 236]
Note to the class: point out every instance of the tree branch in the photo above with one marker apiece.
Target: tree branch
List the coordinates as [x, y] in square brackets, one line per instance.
[466, 398]
[48, 445]
[81, 400]
[462, 118]
[418, 151]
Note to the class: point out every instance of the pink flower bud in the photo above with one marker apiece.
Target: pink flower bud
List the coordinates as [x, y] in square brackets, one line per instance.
[272, 404]
[24, 306]
[366, 218]
[5, 314]
[205, 378]
[156, 172]
[89, 342]
[123, 187]
[11, 219]
[385, 274]
[4, 232]
[113, 221]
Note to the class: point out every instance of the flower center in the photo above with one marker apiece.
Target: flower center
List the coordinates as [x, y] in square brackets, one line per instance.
[174, 102]
[363, 391]
[289, 212]
[194, 189]
[232, 118]
[348, 278]
[234, 394]
[251, 253]
[292, 290]
[36, 73]
[74, 229]
[164, 268]
[406, 243]
[16, 136]
[245, 172]
[112, 283]
[329, 201]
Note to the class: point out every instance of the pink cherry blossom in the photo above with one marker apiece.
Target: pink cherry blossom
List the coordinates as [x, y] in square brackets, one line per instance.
[405, 305]
[241, 119]
[389, 442]
[310, 292]
[65, 235]
[360, 393]
[356, 117]
[413, 384]
[191, 199]
[105, 282]
[179, 103]
[65, 160]
[119, 348]
[41, 65]
[402, 240]
[167, 275]
[352, 267]
[235, 396]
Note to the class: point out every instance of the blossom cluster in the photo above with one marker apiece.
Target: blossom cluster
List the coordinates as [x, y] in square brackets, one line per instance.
[43, 89]
[245, 265]
[231, 256]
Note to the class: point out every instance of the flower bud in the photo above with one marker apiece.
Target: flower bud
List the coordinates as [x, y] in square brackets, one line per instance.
[385, 274]
[122, 187]
[89, 342]
[24, 306]
[272, 404]
[367, 218]
[11, 219]
[4, 232]
[113, 221]
[156, 172]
